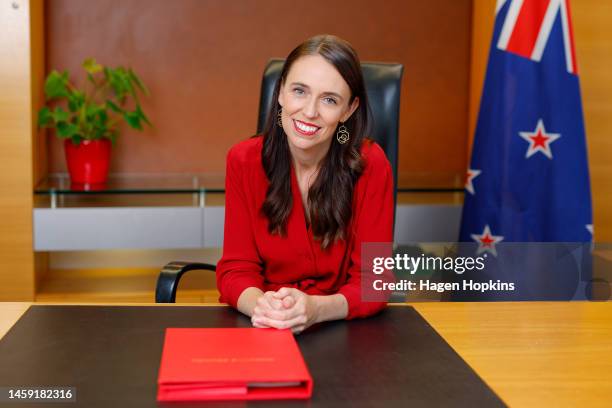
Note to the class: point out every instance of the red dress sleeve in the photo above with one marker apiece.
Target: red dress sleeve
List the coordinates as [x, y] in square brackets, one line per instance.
[372, 222]
[240, 266]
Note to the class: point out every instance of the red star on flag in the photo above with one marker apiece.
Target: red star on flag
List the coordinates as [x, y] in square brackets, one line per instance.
[539, 140]
[486, 241]
[471, 175]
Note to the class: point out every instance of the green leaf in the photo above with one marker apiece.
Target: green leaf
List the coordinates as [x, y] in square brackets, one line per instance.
[142, 115]
[75, 101]
[116, 82]
[100, 124]
[91, 66]
[113, 137]
[121, 83]
[92, 110]
[133, 119]
[44, 117]
[110, 104]
[102, 116]
[60, 115]
[127, 81]
[138, 81]
[65, 130]
[99, 133]
[77, 139]
[56, 85]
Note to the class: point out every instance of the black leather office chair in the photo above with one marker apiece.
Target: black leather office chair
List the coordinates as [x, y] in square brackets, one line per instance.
[383, 84]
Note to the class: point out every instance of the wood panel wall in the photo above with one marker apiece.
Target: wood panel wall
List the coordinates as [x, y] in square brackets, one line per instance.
[20, 48]
[203, 61]
[592, 36]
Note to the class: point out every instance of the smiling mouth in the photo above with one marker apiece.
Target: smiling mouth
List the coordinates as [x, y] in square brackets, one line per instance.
[304, 129]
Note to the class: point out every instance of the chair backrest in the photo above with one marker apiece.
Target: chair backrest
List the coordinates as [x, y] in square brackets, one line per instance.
[383, 84]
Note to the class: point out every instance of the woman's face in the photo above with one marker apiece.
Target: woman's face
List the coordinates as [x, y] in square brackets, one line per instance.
[314, 98]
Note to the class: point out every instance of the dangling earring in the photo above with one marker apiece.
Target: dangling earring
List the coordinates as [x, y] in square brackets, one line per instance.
[342, 136]
[279, 118]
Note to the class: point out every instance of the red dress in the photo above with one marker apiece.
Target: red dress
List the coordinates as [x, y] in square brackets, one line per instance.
[253, 257]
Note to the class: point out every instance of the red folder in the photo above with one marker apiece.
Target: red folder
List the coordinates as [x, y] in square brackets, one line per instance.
[231, 364]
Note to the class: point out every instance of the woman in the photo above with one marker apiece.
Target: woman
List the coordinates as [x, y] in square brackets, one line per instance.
[302, 197]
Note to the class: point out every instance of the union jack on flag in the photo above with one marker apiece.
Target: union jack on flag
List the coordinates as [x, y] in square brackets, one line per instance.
[528, 179]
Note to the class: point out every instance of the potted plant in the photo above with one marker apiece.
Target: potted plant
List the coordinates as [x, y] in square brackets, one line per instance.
[87, 119]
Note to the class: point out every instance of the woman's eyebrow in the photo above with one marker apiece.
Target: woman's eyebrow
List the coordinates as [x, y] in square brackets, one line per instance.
[324, 93]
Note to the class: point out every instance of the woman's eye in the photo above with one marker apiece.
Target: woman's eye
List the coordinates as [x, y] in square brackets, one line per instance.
[330, 101]
[298, 91]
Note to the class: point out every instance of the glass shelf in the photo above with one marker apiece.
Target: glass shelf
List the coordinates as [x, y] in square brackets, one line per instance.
[430, 182]
[59, 183]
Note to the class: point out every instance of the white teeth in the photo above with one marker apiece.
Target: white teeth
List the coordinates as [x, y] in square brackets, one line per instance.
[305, 128]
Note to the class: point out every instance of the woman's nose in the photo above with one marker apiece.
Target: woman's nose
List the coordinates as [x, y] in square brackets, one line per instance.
[310, 109]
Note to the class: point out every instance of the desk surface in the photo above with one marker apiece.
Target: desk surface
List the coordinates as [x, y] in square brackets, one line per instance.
[530, 354]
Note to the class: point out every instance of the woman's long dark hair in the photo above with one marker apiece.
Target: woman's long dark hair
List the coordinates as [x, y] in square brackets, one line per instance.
[330, 196]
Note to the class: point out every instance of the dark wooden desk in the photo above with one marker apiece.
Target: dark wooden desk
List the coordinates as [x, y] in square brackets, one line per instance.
[532, 354]
[111, 355]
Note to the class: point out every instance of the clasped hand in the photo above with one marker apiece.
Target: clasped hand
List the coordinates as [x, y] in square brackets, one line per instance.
[287, 308]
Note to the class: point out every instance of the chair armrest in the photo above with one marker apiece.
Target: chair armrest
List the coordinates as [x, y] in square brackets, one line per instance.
[168, 280]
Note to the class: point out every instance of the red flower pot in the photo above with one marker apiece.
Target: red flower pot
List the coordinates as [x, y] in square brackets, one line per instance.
[88, 161]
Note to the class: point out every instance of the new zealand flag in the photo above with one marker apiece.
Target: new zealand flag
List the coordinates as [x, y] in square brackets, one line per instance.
[528, 180]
